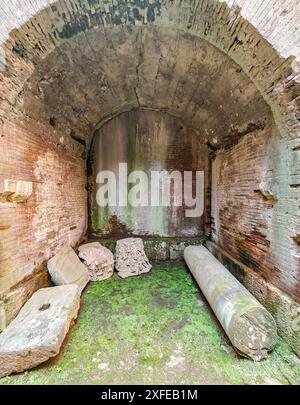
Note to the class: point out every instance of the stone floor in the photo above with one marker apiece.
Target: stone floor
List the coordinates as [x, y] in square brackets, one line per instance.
[158, 329]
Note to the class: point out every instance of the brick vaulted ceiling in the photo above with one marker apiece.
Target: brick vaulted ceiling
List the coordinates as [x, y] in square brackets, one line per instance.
[79, 62]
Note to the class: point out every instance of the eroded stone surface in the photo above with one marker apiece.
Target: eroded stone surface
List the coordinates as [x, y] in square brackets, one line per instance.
[2, 319]
[268, 189]
[38, 331]
[156, 249]
[98, 259]
[13, 301]
[131, 259]
[66, 268]
[16, 191]
[177, 249]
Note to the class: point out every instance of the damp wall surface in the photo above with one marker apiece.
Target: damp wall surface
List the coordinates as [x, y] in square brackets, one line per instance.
[147, 141]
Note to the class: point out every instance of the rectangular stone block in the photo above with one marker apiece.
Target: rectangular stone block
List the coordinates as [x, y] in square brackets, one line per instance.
[66, 268]
[176, 250]
[39, 330]
[176, 247]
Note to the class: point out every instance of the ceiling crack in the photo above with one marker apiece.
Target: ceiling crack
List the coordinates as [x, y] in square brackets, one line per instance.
[138, 66]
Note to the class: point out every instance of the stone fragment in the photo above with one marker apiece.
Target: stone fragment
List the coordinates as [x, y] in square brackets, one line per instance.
[268, 189]
[39, 330]
[2, 318]
[176, 250]
[66, 268]
[131, 259]
[98, 259]
[9, 187]
[16, 191]
[177, 247]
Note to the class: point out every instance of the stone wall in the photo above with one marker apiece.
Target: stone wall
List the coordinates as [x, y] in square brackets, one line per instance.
[157, 248]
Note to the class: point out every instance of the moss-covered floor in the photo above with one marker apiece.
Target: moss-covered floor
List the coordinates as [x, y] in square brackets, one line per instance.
[155, 329]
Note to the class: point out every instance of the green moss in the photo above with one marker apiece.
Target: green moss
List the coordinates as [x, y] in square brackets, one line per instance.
[155, 242]
[109, 244]
[155, 328]
[20, 50]
[101, 219]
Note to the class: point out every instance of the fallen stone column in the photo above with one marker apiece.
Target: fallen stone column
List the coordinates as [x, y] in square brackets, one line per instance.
[249, 326]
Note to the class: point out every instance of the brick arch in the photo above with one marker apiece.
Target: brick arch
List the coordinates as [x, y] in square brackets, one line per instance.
[215, 21]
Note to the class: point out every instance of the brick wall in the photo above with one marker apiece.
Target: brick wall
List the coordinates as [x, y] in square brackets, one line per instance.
[55, 214]
[250, 187]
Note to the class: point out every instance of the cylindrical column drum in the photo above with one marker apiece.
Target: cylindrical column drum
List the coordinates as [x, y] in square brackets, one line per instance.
[249, 326]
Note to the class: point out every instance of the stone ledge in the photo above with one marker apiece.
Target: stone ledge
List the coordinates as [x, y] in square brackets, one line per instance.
[159, 248]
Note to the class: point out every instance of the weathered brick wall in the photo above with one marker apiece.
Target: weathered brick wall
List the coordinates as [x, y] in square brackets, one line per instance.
[246, 205]
[55, 214]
